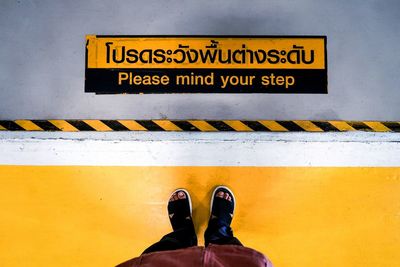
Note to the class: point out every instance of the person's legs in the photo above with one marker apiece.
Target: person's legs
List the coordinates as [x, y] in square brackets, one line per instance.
[222, 208]
[180, 214]
[180, 238]
[219, 234]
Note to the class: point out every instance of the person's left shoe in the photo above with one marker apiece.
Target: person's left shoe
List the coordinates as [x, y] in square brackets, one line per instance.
[180, 209]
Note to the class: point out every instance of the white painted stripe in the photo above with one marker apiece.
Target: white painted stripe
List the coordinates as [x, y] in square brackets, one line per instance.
[205, 150]
[212, 136]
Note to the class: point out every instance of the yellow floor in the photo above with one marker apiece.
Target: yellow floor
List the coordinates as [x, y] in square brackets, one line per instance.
[101, 216]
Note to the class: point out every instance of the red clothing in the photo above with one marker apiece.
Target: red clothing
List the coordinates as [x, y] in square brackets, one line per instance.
[211, 256]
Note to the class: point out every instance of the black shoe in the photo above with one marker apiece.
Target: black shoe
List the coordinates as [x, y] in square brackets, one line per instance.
[221, 208]
[180, 211]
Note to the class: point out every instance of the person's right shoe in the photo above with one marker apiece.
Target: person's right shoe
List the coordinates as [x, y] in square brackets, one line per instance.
[222, 205]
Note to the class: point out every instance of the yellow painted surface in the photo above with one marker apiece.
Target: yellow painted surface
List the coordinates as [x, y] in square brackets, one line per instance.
[101, 216]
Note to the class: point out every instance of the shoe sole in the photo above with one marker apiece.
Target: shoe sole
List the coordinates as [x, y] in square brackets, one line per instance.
[188, 196]
[230, 192]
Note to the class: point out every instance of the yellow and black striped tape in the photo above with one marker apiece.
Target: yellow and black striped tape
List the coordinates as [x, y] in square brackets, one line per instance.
[198, 125]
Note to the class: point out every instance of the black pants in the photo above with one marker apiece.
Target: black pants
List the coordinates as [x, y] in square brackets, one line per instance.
[216, 233]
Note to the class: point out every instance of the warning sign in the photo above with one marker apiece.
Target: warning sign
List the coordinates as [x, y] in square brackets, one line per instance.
[206, 64]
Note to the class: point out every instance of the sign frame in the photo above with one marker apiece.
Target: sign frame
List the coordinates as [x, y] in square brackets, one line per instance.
[303, 81]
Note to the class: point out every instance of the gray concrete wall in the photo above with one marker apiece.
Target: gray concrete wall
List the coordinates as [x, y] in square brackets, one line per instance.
[43, 45]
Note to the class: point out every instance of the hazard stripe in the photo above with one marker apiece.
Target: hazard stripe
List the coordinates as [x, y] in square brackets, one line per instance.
[220, 126]
[80, 125]
[167, 125]
[46, 125]
[28, 125]
[308, 126]
[256, 126]
[325, 126]
[150, 125]
[342, 126]
[132, 125]
[238, 126]
[273, 126]
[291, 126]
[115, 125]
[393, 126]
[199, 125]
[377, 126]
[11, 126]
[63, 125]
[360, 126]
[189, 126]
[98, 125]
